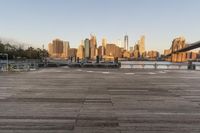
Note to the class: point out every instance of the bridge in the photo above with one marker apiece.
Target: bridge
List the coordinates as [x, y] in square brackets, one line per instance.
[185, 49]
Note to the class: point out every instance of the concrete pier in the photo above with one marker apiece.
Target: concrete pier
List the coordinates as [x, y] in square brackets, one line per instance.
[63, 100]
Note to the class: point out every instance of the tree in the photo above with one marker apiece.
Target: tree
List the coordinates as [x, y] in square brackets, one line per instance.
[18, 52]
[1, 47]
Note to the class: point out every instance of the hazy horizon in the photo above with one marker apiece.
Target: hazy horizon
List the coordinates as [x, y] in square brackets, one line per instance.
[38, 22]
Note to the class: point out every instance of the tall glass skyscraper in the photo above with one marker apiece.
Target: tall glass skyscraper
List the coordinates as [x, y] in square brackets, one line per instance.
[87, 48]
[126, 42]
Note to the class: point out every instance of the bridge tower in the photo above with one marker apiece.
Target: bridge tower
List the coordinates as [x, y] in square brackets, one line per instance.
[177, 44]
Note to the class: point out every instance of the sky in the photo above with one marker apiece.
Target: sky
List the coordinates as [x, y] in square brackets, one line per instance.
[38, 22]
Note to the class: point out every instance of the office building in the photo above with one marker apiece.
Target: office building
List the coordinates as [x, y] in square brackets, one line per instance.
[66, 48]
[87, 48]
[153, 55]
[126, 54]
[73, 52]
[126, 42]
[80, 52]
[113, 51]
[93, 47]
[136, 53]
[141, 44]
[103, 48]
[58, 49]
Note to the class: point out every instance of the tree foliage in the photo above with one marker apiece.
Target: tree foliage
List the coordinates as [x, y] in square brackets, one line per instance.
[18, 52]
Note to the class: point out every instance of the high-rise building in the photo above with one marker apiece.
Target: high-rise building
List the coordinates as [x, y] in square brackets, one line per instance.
[80, 52]
[126, 42]
[126, 54]
[153, 55]
[139, 48]
[113, 50]
[136, 54]
[50, 49]
[96, 52]
[58, 46]
[141, 45]
[100, 51]
[87, 48]
[66, 48]
[72, 52]
[93, 47]
[136, 51]
[104, 42]
[58, 49]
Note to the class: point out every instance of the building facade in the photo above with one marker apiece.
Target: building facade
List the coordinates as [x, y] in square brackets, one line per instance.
[126, 43]
[87, 48]
[93, 47]
[141, 45]
[113, 51]
[80, 52]
[58, 49]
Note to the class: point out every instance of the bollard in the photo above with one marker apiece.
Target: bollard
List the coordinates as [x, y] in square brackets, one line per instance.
[190, 66]
[78, 59]
[71, 58]
[75, 59]
[116, 60]
[97, 59]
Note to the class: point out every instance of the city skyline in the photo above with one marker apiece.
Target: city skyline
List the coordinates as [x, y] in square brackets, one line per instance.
[89, 50]
[37, 22]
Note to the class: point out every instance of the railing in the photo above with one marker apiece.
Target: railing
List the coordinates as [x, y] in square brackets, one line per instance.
[26, 65]
[175, 66]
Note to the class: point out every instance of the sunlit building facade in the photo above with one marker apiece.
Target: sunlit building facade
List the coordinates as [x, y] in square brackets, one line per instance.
[126, 41]
[93, 47]
[80, 52]
[58, 49]
[87, 48]
[113, 50]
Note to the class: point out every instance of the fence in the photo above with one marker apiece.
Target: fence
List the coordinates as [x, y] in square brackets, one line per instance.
[175, 66]
[25, 65]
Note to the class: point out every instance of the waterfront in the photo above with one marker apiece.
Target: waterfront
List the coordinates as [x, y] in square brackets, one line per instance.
[28, 65]
[100, 100]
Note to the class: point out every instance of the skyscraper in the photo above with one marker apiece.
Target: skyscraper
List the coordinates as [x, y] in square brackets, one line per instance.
[87, 48]
[50, 49]
[93, 47]
[126, 42]
[104, 42]
[72, 52]
[113, 51]
[80, 52]
[58, 48]
[66, 48]
[142, 45]
[136, 52]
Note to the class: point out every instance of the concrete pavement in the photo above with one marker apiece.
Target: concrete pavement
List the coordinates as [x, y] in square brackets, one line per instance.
[62, 100]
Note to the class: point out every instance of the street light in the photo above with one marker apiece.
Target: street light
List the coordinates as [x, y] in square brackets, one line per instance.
[6, 58]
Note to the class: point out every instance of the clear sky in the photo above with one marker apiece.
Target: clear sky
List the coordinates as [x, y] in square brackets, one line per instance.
[37, 22]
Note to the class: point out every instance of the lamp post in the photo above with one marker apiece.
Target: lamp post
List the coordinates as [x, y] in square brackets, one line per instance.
[6, 58]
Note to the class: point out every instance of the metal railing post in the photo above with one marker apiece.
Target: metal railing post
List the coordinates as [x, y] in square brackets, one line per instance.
[7, 61]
